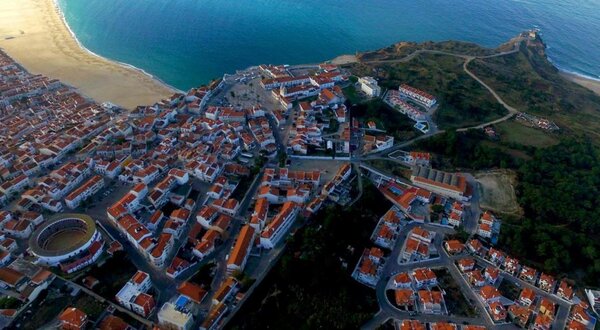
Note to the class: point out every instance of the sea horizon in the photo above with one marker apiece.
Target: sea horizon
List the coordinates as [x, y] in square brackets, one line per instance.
[85, 41]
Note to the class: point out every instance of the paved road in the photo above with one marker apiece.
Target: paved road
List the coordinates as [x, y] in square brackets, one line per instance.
[393, 267]
[101, 299]
[220, 255]
[360, 184]
[563, 305]
[165, 286]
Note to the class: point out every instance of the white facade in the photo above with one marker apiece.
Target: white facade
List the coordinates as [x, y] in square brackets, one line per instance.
[369, 86]
[172, 317]
[279, 227]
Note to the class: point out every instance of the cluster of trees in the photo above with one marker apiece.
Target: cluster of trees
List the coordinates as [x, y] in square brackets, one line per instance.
[311, 286]
[559, 190]
[9, 303]
[395, 123]
[467, 150]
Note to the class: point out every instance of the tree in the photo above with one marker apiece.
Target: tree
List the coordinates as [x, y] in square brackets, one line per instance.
[9, 303]
[282, 159]
[437, 208]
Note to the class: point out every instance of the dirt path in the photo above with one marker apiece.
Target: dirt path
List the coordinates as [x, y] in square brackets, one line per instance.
[468, 58]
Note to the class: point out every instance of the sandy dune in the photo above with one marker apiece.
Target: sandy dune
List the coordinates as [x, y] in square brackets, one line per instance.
[33, 33]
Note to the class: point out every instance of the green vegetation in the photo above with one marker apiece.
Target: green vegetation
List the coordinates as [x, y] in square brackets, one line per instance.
[282, 157]
[260, 161]
[509, 290]
[403, 49]
[89, 305]
[311, 286]
[470, 150]
[463, 101]
[112, 275]
[529, 82]
[461, 234]
[9, 302]
[204, 276]
[392, 121]
[391, 167]
[456, 302]
[511, 132]
[559, 192]
[352, 95]
[50, 309]
[244, 279]
[242, 187]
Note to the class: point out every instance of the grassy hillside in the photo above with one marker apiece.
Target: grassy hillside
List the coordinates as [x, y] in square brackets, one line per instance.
[529, 82]
[404, 48]
[463, 101]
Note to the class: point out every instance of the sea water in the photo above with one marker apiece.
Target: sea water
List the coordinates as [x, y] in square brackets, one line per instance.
[189, 42]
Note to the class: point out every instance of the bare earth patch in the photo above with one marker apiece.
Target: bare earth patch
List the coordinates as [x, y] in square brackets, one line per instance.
[64, 240]
[497, 190]
[344, 59]
[328, 168]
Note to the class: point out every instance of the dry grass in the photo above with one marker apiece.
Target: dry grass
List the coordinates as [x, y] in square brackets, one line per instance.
[497, 190]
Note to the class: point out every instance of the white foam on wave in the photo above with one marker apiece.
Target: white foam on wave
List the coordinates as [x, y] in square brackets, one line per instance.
[571, 72]
[125, 65]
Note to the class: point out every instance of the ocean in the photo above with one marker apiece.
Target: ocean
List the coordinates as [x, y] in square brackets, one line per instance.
[187, 43]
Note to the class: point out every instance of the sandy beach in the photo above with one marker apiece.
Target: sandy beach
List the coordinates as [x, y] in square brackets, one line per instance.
[591, 84]
[33, 33]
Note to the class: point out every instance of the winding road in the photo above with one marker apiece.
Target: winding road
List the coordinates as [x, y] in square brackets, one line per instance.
[387, 309]
[467, 58]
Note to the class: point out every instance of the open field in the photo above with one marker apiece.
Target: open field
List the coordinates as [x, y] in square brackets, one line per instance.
[529, 82]
[89, 305]
[514, 132]
[497, 190]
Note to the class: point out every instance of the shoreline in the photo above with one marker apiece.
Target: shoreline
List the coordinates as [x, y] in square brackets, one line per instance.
[35, 34]
[582, 80]
[591, 83]
[123, 64]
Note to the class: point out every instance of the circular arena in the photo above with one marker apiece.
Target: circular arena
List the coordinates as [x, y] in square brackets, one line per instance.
[62, 237]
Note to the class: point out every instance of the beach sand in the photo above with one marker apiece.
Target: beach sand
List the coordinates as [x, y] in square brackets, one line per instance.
[344, 59]
[33, 33]
[591, 84]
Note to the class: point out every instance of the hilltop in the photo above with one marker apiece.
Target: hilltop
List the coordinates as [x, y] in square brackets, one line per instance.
[522, 76]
